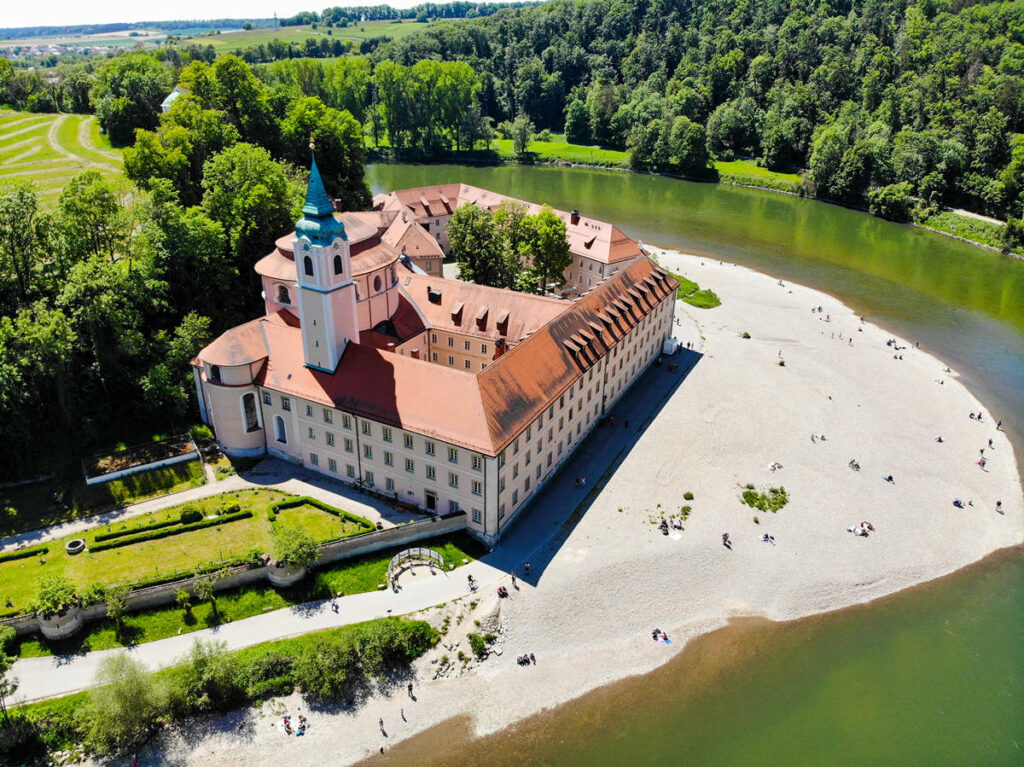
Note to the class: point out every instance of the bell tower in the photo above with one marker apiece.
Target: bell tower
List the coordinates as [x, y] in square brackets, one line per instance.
[326, 293]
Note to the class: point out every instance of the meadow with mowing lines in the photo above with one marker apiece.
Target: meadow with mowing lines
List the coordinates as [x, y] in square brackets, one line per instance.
[50, 149]
[230, 41]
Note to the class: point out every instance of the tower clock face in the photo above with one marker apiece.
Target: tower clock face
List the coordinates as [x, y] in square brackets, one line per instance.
[305, 247]
[337, 246]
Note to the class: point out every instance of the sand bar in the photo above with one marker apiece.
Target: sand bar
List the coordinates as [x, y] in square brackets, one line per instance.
[598, 590]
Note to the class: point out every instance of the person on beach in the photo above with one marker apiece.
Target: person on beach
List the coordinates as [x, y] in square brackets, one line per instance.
[409, 687]
[990, 443]
[999, 506]
[890, 480]
[725, 540]
[526, 568]
[513, 580]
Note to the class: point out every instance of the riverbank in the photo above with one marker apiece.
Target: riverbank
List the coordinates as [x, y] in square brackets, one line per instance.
[597, 591]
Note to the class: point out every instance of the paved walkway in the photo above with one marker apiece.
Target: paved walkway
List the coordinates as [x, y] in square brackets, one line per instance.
[535, 537]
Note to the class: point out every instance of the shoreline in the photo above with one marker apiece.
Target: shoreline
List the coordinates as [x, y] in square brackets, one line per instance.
[567, 164]
[589, 607]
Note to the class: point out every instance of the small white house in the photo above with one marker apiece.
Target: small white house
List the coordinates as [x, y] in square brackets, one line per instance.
[165, 105]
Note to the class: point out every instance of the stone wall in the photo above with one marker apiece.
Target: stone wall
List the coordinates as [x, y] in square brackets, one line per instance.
[335, 551]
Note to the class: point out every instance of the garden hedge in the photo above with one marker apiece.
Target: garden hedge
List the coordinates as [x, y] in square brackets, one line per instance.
[134, 530]
[292, 503]
[23, 553]
[167, 532]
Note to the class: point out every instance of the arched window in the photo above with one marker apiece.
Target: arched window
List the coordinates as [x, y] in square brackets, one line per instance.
[279, 431]
[338, 266]
[376, 284]
[283, 296]
[307, 266]
[252, 418]
[215, 373]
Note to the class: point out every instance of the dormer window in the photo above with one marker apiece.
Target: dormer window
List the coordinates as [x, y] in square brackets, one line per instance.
[307, 266]
[283, 296]
[338, 266]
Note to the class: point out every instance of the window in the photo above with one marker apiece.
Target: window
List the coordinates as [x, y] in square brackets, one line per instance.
[346, 422]
[309, 411]
[367, 430]
[527, 459]
[389, 458]
[483, 365]
[339, 267]
[350, 471]
[466, 345]
[286, 403]
[307, 266]
[451, 360]
[433, 356]
[483, 348]
[408, 442]
[453, 455]
[451, 341]
[526, 485]
[386, 432]
[430, 447]
[409, 465]
[549, 459]
[389, 484]
[466, 364]
[376, 284]
[252, 418]
[332, 465]
[328, 416]
[476, 516]
[283, 297]
[453, 479]
[369, 474]
[515, 447]
[329, 436]
[430, 266]
[515, 496]
[478, 463]
[501, 484]
[215, 372]
[529, 433]
[515, 470]
[478, 487]
[431, 472]
[453, 507]
[314, 459]
[433, 338]
[312, 434]
[501, 511]
[348, 445]
[280, 434]
[501, 460]
[368, 452]
[537, 473]
[266, 398]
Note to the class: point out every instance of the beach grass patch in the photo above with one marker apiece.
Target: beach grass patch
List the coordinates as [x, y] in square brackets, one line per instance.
[772, 499]
[691, 293]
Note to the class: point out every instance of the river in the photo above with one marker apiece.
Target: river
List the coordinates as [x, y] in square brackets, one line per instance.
[930, 676]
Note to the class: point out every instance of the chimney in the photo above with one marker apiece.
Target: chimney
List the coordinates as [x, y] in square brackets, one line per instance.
[434, 296]
[574, 217]
[415, 354]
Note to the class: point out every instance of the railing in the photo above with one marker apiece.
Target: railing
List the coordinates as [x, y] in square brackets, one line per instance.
[417, 554]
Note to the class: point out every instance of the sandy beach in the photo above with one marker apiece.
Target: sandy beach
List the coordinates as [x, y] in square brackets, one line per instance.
[588, 614]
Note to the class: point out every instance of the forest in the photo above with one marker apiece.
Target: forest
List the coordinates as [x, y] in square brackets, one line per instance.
[900, 106]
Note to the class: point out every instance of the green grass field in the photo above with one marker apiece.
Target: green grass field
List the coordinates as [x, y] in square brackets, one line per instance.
[973, 229]
[51, 149]
[166, 557]
[350, 576]
[227, 42]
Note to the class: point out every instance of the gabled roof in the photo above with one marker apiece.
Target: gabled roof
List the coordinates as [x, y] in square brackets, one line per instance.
[409, 238]
[587, 237]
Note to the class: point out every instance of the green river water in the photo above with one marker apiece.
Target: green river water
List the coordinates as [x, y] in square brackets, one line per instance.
[931, 676]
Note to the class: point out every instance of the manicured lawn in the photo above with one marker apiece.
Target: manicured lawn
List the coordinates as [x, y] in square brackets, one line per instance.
[29, 153]
[350, 576]
[751, 168]
[559, 149]
[168, 557]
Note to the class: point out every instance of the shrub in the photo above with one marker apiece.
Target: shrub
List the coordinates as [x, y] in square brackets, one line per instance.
[294, 547]
[99, 537]
[685, 512]
[688, 496]
[206, 680]
[772, 500]
[122, 708]
[117, 603]
[24, 553]
[477, 643]
[782, 363]
[7, 638]
[93, 595]
[544, 135]
[201, 432]
[745, 334]
[328, 669]
[153, 535]
[55, 593]
[390, 643]
[190, 513]
[183, 598]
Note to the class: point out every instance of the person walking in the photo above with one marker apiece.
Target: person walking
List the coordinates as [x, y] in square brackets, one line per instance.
[725, 539]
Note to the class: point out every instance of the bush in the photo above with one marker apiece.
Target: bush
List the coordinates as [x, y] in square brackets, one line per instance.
[201, 432]
[190, 513]
[294, 547]
[688, 496]
[745, 334]
[134, 530]
[544, 135]
[206, 680]
[892, 202]
[328, 669]
[55, 593]
[124, 706]
[390, 643]
[478, 644]
[23, 554]
[772, 500]
[8, 636]
[153, 535]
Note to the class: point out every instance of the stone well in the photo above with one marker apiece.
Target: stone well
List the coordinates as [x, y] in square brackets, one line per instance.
[62, 624]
